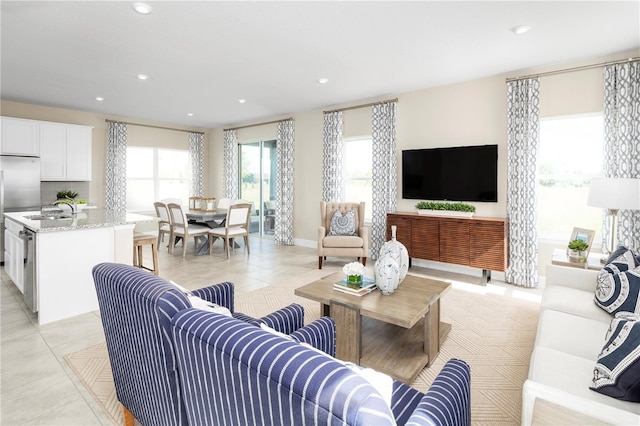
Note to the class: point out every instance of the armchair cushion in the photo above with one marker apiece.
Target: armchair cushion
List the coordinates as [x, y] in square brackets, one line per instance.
[343, 224]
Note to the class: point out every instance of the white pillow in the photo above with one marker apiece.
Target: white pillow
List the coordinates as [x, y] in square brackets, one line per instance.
[276, 332]
[203, 305]
[382, 382]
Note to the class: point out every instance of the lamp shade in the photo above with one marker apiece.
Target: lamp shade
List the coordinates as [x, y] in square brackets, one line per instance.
[615, 193]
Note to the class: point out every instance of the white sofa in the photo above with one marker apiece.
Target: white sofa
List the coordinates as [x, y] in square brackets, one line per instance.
[570, 336]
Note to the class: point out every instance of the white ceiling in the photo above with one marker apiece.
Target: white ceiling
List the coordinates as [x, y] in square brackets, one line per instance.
[202, 57]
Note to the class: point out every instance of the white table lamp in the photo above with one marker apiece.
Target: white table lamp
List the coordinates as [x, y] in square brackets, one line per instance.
[614, 194]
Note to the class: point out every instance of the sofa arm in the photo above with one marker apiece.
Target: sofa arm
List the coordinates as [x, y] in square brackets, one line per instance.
[582, 279]
[220, 294]
[448, 400]
[322, 232]
[285, 320]
[321, 334]
[365, 234]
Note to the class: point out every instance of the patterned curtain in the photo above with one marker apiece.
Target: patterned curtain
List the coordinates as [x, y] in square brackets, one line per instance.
[116, 168]
[332, 161]
[196, 159]
[523, 132]
[230, 174]
[283, 232]
[622, 141]
[384, 180]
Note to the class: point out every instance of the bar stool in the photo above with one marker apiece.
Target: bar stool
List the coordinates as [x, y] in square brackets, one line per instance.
[139, 240]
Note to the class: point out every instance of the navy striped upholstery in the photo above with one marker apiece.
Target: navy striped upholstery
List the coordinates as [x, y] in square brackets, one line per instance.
[321, 334]
[235, 374]
[136, 308]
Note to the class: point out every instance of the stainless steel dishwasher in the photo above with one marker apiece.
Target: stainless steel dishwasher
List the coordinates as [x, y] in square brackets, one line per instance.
[30, 276]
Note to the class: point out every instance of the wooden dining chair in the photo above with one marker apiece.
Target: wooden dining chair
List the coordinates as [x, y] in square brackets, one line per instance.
[182, 228]
[236, 225]
[164, 225]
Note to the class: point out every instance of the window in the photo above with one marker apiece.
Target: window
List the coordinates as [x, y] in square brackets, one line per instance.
[358, 168]
[154, 174]
[571, 151]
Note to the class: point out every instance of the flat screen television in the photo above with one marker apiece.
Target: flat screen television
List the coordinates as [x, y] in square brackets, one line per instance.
[464, 173]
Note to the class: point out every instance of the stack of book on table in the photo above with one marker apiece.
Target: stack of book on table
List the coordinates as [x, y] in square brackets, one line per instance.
[367, 285]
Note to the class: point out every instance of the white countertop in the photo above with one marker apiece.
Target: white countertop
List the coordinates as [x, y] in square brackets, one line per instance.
[85, 219]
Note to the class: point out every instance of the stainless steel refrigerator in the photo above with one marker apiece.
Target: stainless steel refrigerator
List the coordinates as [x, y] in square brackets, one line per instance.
[19, 188]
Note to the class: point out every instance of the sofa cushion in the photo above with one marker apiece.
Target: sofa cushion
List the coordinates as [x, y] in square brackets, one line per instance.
[343, 224]
[618, 292]
[573, 301]
[617, 372]
[342, 241]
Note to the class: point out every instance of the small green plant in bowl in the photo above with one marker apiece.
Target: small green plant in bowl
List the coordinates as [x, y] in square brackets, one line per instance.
[578, 245]
[69, 195]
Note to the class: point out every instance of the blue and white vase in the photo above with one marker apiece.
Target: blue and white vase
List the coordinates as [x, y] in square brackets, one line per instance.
[398, 252]
[387, 274]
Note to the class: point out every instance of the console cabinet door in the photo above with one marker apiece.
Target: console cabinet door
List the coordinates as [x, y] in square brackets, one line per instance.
[425, 238]
[403, 230]
[454, 241]
[489, 247]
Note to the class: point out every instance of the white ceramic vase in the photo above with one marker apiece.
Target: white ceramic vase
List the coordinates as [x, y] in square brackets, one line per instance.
[398, 252]
[387, 274]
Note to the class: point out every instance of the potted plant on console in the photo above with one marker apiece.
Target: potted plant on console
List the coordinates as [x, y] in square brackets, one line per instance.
[436, 208]
[578, 251]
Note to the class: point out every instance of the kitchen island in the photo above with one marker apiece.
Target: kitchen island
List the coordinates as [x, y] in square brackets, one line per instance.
[66, 249]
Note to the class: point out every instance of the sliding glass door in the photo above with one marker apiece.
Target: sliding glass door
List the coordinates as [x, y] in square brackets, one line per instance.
[257, 183]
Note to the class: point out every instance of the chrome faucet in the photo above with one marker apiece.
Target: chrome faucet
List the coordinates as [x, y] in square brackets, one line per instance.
[69, 202]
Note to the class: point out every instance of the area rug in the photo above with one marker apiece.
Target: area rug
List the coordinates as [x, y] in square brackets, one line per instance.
[493, 329]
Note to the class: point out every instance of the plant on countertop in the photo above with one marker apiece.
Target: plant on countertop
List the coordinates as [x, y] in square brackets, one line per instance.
[578, 245]
[70, 195]
[456, 207]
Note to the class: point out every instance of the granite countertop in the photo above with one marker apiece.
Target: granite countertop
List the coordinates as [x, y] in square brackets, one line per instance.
[85, 219]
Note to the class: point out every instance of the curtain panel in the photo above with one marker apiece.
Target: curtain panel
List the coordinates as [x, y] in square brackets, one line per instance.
[622, 141]
[116, 167]
[384, 178]
[332, 158]
[523, 133]
[230, 173]
[283, 230]
[196, 159]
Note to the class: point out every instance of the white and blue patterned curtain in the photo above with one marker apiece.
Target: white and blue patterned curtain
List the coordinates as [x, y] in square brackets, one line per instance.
[384, 179]
[116, 167]
[196, 159]
[523, 134]
[283, 230]
[622, 141]
[332, 158]
[230, 173]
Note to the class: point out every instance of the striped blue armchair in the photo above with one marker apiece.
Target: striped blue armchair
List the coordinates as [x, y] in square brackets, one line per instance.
[136, 310]
[235, 374]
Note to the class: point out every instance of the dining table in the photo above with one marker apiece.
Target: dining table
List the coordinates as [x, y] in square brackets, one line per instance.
[212, 218]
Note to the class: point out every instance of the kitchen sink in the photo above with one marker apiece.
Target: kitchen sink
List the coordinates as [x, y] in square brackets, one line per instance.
[47, 217]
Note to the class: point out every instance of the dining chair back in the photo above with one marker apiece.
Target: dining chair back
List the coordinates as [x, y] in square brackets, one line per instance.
[164, 225]
[236, 225]
[223, 203]
[182, 228]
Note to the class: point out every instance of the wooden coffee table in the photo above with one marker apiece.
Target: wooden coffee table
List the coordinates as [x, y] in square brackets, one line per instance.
[398, 334]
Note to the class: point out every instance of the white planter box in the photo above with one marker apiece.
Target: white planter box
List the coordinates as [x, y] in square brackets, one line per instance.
[449, 213]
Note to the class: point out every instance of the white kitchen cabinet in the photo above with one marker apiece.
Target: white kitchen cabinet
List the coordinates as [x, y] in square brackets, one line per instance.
[65, 152]
[14, 253]
[19, 137]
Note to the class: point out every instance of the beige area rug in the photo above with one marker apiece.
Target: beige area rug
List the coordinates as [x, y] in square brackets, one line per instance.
[493, 329]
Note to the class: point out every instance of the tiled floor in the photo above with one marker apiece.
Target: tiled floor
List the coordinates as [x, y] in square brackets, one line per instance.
[37, 386]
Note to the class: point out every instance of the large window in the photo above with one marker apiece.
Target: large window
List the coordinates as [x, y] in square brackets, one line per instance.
[154, 174]
[358, 173]
[571, 150]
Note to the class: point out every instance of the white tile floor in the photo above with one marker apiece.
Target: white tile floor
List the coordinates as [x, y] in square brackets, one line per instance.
[38, 388]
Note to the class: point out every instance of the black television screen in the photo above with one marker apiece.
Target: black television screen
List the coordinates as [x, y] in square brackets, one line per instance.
[465, 173]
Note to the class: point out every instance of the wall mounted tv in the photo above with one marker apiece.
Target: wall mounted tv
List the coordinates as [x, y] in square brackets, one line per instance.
[465, 173]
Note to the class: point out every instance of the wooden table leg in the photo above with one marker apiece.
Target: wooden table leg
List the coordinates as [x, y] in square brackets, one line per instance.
[348, 332]
[432, 329]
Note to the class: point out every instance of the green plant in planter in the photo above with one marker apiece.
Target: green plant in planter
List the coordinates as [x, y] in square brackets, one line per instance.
[435, 205]
[578, 245]
[70, 195]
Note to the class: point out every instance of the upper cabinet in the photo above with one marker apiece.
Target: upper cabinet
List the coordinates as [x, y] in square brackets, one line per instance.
[65, 152]
[20, 137]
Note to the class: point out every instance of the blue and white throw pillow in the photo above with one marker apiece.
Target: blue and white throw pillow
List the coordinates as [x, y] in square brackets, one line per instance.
[343, 224]
[617, 371]
[618, 287]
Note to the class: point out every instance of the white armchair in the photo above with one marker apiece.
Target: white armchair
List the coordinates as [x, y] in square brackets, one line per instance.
[356, 245]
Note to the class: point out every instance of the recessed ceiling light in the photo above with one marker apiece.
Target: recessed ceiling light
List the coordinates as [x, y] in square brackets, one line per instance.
[142, 76]
[190, 114]
[521, 29]
[242, 101]
[99, 98]
[142, 8]
[323, 80]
